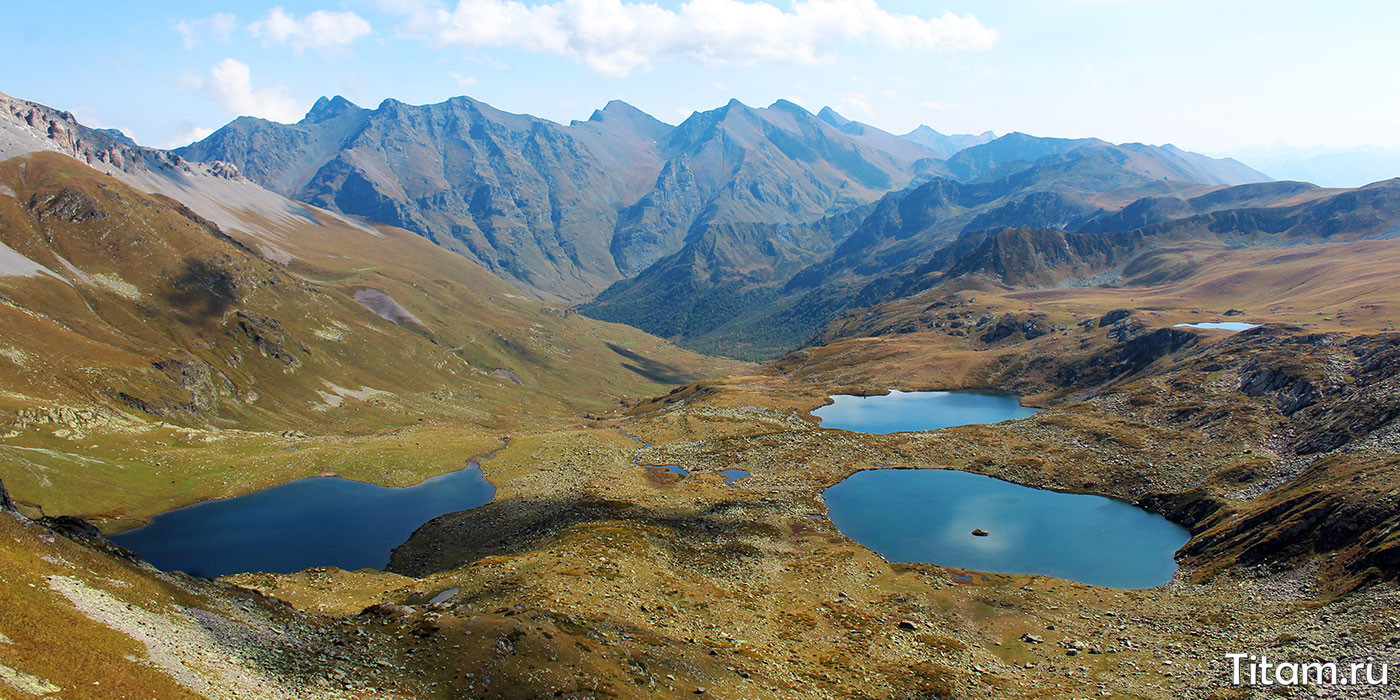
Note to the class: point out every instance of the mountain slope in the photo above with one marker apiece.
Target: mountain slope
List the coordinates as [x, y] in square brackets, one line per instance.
[779, 165]
[564, 210]
[133, 315]
[1073, 217]
[527, 198]
[778, 309]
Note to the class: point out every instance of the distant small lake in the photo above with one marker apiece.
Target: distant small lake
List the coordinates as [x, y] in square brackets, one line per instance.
[928, 516]
[1235, 326]
[901, 411]
[322, 521]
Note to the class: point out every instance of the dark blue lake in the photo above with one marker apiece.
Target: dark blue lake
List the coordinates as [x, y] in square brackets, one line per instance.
[901, 411]
[324, 521]
[928, 516]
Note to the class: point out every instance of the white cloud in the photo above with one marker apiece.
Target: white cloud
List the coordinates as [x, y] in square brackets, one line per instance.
[463, 81]
[187, 137]
[934, 105]
[219, 26]
[858, 102]
[321, 29]
[615, 37]
[230, 83]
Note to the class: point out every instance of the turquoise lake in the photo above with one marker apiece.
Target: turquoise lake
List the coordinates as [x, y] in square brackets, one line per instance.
[323, 521]
[1235, 326]
[903, 411]
[928, 515]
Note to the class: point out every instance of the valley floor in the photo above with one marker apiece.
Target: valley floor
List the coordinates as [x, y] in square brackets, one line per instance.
[594, 575]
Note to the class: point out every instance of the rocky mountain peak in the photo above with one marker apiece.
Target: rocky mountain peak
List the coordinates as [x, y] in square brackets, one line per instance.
[788, 106]
[616, 108]
[330, 108]
[617, 112]
[830, 116]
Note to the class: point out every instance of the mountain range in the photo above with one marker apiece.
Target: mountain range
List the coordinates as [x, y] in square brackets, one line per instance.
[739, 231]
[188, 292]
[564, 211]
[754, 301]
[1329, 167]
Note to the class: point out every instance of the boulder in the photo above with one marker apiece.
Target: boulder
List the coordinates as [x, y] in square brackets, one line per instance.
[1114, 316]
[392, 611]
[74, 528]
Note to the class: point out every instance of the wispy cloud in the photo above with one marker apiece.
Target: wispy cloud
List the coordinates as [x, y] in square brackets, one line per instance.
[858, 102]
[615, 37]
[321, 29]
[218, 26]
[230, 84]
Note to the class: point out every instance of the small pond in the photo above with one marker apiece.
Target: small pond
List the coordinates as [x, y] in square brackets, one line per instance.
[1235, 326]
[901, 411]
[322, 521]
[733, 475]
[929, 515]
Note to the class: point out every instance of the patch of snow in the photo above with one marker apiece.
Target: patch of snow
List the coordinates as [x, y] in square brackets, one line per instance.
[337, 394]
[386, 307]
[275, 254]
[12, 263]
[82, 276]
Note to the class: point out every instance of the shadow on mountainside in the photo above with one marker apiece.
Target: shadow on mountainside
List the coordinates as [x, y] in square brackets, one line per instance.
[707, 538]
[656, 371]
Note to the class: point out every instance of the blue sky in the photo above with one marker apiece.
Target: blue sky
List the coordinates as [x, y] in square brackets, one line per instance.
[1209, 76]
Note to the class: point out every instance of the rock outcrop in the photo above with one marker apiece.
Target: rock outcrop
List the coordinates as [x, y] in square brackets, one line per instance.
[1291, 393]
